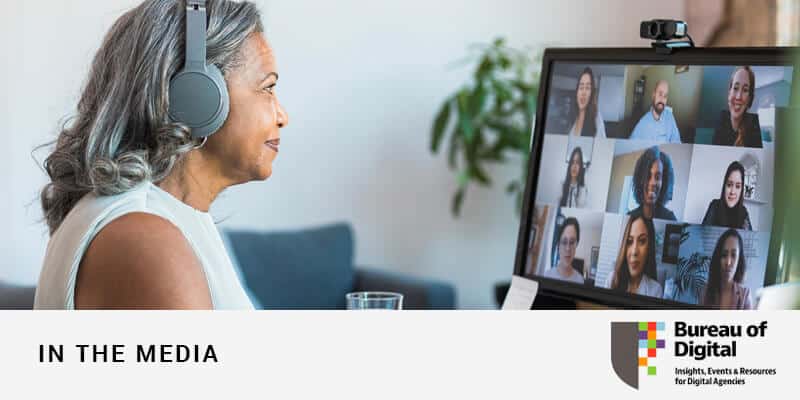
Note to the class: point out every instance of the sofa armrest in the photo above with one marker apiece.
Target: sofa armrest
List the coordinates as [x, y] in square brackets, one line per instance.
[16, 297]
[418, 294]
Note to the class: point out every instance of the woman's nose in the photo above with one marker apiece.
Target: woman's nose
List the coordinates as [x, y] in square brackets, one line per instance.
[283, 116]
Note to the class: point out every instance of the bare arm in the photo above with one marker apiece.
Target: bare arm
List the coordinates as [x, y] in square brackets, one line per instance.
[141, 261]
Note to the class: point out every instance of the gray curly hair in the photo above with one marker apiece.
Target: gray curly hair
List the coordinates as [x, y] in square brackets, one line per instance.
[121, 134]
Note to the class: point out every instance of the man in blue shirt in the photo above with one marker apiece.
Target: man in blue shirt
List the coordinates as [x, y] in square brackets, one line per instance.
[659, 123]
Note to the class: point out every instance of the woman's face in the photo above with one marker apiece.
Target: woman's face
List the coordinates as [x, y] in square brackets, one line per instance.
[575, 166]
[729, 259]
[637, 246]
[733, 188]
[584, 91]
[739, 93]
[247, 144]
[567, 245]
[654, 182]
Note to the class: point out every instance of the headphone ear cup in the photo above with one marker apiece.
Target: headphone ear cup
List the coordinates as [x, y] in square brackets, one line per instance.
[199, 99]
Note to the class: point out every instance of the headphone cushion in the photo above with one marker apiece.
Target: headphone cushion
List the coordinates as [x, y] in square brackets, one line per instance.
[199, 99]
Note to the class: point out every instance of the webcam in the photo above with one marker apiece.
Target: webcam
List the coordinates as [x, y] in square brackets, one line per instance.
[663, 29]
[664, 32]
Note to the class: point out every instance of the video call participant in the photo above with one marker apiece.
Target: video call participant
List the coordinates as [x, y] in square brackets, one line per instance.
[653, 179]
[729, 210]
[573, 190]
[736, 126]
[568, 237]
[726, 272]
[658, 124]
[584, 112]
[635, 270]
[127, 205]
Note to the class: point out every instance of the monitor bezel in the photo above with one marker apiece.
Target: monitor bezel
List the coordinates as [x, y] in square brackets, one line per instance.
[760, 56]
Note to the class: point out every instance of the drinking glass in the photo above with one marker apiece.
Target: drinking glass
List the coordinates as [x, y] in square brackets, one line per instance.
[374, 301]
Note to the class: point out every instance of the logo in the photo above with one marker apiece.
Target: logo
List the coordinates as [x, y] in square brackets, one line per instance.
[635, 345]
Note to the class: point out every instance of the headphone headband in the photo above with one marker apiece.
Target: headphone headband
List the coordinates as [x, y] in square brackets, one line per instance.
[195, 35]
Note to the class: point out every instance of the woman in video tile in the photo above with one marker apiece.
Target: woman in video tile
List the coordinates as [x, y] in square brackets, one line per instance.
[569, 234]
[588, 121]
[726, 272]
[635, 271]
[653, 179]
[729, 210]
[573, 190]
[736, 126]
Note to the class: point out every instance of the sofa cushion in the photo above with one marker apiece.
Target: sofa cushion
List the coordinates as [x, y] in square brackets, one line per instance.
[307, 269]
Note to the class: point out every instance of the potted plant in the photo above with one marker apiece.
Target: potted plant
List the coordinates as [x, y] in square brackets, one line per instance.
[489, 118]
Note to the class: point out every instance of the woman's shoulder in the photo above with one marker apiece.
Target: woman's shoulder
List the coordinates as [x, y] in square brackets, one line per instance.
[666, 213]
[652, 287]
[742, 290]
[153, 259]
[551, 273]
[713, 207]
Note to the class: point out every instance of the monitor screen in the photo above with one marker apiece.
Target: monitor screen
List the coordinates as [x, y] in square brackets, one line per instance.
[655, 178]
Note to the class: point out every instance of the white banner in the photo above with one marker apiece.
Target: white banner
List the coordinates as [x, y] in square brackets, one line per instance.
[397, 355]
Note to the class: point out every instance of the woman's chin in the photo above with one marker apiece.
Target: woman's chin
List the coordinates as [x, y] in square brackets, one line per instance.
[263, 172]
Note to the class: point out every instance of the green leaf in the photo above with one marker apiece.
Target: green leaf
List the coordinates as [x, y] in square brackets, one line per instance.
[464, 118]
[458, 199]
[503, 92]
[484, 68]
[439, 125]
[477, 100]
[479, 174]
[455, 145]
[463, 179]
[495, 151]
[505, 62]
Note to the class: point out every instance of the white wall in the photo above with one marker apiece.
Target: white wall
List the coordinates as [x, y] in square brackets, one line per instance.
[361, 81]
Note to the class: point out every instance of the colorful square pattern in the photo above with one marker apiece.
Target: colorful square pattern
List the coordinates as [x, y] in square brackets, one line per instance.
[651, 337]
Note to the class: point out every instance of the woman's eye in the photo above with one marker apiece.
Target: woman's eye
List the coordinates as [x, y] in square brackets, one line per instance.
[270, 89]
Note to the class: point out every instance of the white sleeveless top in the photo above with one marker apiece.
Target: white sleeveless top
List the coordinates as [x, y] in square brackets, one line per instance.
[56, 288]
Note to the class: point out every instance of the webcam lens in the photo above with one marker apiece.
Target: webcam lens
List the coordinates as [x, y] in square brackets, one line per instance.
[654, 30]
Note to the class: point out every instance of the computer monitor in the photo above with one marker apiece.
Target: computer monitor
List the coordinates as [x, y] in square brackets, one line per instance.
[651, 177]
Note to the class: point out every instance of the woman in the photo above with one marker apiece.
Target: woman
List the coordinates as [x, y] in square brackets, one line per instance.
[726, 271]
[729, 210]
[653, 179]
[736, 126]
[584, 112]
[573, 189]
[568, 237]
[635, 271]
[127, 205]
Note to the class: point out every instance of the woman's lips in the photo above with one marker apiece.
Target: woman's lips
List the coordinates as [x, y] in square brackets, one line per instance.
[273, 144]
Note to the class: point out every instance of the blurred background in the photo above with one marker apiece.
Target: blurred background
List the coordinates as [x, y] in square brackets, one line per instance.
[362, 82]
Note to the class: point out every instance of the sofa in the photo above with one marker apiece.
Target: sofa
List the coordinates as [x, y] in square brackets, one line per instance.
[314, 269]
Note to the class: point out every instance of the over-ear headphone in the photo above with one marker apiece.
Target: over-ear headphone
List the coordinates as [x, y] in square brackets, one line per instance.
[198, 96]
